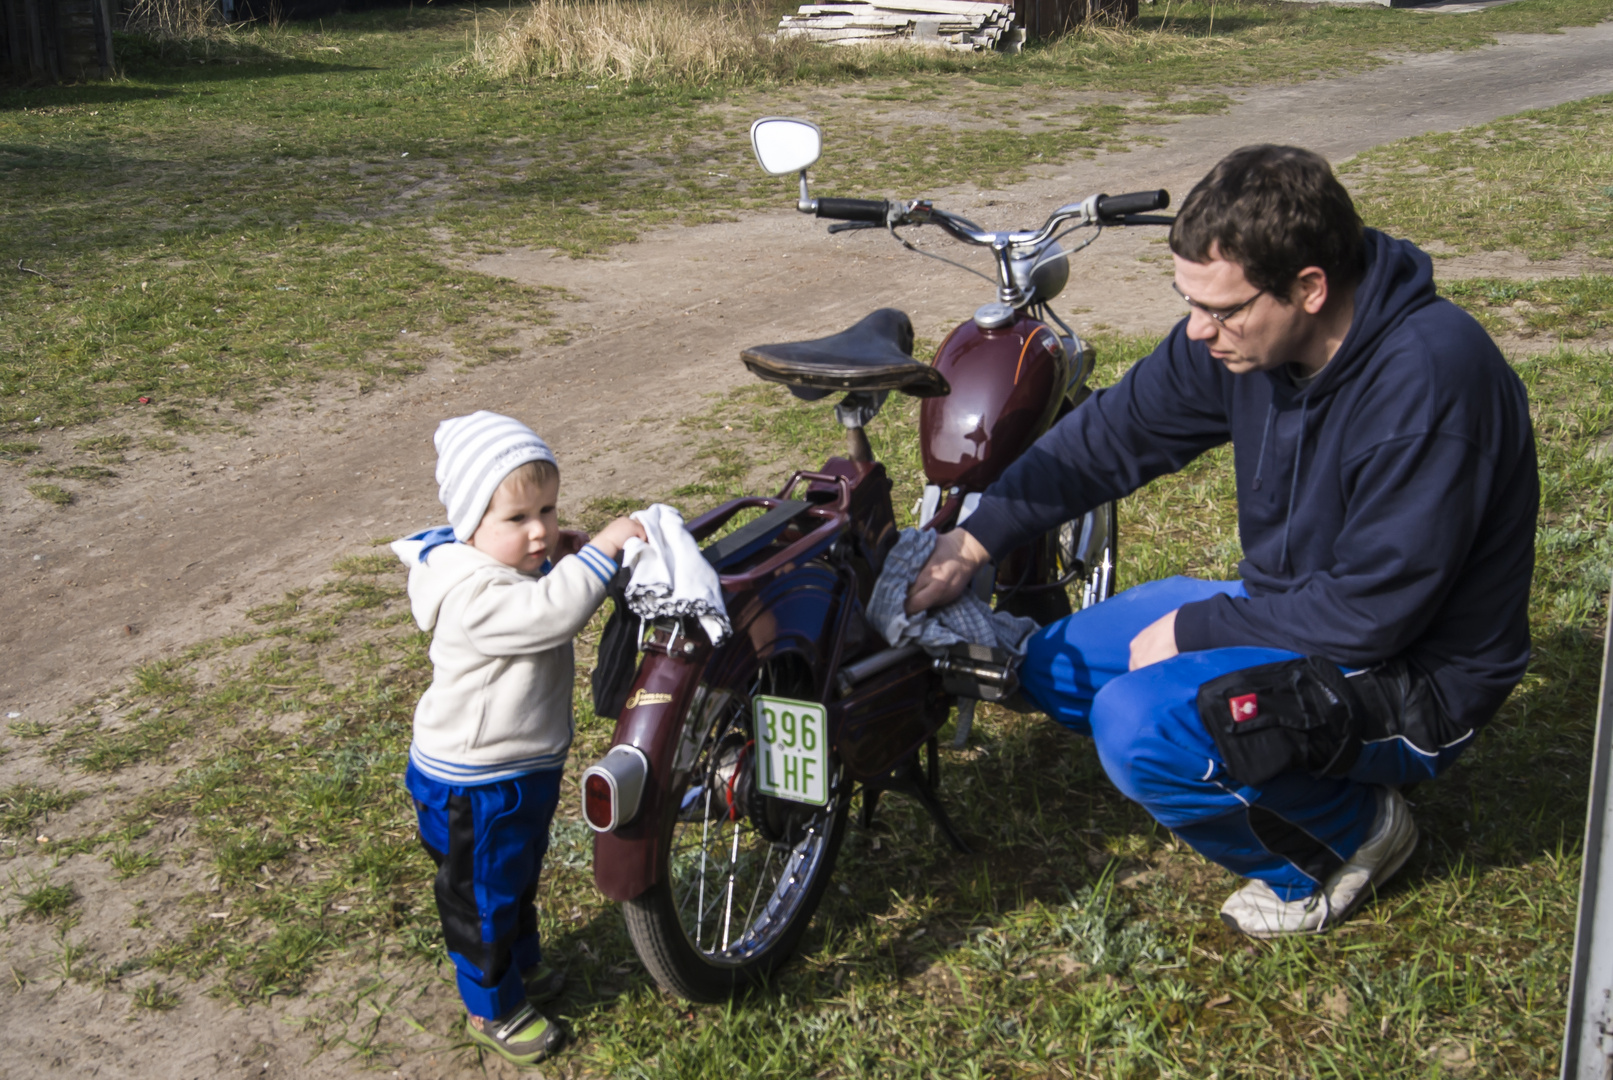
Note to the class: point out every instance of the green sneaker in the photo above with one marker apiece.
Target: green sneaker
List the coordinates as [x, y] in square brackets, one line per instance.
[543, 984]
[525, 1037]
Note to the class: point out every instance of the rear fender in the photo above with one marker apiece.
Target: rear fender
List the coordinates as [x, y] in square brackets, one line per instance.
[794, 613]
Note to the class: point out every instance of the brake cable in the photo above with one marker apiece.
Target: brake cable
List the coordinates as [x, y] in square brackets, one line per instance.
[939, 258]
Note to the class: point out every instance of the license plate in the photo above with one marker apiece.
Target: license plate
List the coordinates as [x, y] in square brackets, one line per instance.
[792, 750]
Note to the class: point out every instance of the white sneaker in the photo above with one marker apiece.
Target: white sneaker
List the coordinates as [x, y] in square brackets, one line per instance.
[1259, 912]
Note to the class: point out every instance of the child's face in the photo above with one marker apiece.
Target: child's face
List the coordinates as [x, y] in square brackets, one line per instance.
[521, 527]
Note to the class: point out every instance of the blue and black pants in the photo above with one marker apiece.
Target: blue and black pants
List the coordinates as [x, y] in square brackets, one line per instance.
[488, 841]
[1290, 831]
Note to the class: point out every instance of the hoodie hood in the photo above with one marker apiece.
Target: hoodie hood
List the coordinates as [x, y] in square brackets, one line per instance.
[430, 582]
[1399, 281]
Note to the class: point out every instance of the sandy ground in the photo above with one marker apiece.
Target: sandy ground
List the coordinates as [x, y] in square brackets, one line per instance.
[182, 544]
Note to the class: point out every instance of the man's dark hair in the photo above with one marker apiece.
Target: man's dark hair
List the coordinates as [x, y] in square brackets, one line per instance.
[1273, 210]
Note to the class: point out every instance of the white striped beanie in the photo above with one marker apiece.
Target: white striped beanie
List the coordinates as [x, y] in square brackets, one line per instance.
[474, 455]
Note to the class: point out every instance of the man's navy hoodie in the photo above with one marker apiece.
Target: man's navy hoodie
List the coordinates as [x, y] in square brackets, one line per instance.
[1386, 509]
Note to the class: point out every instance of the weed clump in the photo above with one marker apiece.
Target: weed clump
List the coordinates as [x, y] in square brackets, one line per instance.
[22, 804]
[47, 901]
[155, 998]
[51, 493]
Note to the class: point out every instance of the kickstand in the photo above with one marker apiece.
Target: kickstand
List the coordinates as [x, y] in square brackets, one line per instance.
[910, 778]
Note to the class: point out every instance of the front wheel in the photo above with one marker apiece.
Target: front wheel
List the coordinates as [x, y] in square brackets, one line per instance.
[744, 871]
[1086, 551]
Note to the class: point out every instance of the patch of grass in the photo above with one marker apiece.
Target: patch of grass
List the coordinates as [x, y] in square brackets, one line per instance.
[601, 510]
[128, 863]
[281, 609]
[75, 472]
[107, 447]
[1531, 182]
[1568, 309]
[15, 452]
[51, 493]
[23, 804]
[28, 729]
[378, 563]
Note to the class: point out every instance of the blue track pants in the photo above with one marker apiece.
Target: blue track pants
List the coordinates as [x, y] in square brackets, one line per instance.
[488, 841]
[1290, 831]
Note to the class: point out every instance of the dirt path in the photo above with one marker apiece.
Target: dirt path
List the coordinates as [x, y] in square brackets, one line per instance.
[183, 544]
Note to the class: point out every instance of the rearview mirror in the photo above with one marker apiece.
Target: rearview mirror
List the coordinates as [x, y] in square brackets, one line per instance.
[784, 145]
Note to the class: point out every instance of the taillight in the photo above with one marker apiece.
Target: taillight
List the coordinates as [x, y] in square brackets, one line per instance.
[612, 788]
[598, 802]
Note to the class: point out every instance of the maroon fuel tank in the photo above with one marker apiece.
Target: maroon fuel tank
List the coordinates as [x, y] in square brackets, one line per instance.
[1006, 386]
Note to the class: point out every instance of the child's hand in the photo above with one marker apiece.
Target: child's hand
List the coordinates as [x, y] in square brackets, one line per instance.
[613, 537]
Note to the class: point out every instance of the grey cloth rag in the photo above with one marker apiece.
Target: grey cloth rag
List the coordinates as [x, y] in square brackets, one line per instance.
[966, 619]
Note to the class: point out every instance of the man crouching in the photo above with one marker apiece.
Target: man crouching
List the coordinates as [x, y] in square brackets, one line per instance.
[1387, 495]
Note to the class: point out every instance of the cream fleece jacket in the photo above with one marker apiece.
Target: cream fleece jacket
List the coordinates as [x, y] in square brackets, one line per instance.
[499, 703]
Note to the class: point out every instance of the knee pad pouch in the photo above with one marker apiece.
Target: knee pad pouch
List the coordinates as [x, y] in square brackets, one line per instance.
[1292, 715]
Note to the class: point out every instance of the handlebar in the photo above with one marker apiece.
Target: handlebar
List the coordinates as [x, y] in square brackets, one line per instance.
[1096, 210]
[1115, 207]
[872, 211]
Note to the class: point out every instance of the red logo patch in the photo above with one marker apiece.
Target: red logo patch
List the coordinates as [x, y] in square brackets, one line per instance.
[1244, 707]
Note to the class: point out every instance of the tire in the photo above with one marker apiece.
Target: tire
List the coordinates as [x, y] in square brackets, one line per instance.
[1087, 549]
[744, 872]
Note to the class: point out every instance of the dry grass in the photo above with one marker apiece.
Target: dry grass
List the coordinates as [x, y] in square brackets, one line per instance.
[682, 41]
[182, 31]
[175, 19]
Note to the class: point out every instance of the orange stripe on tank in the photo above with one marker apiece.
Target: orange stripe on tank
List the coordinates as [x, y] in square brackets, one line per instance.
[1021, 366]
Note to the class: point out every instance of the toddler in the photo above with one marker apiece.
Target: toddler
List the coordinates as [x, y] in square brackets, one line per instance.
[503, 595]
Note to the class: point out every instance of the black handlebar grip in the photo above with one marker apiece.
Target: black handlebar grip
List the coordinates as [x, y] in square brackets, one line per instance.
[1114, 207]
[870, 210]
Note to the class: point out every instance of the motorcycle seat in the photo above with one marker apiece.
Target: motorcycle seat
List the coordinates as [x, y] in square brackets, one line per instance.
[874, 354]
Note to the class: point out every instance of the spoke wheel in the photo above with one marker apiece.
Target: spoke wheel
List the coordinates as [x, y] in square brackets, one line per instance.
[744, 871]
[1086, 554]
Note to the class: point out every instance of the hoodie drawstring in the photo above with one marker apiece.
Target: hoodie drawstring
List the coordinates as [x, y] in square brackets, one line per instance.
[1293, 483]
[1260, 458]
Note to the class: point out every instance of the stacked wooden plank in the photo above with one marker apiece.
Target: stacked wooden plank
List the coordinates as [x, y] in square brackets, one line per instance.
[956, 24]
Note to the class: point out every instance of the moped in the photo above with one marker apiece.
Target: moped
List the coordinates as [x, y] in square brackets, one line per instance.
[721, 805]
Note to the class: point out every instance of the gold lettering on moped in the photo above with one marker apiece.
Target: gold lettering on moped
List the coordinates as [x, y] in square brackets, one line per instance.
[644, 697]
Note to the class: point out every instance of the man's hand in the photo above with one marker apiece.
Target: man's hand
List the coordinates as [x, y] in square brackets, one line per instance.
[952, 566]
[1156, 642]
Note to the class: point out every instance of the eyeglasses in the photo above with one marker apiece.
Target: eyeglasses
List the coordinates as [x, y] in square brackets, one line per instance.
[1220, 315]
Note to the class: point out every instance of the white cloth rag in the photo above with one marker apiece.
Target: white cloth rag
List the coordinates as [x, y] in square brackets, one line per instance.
[670, 576]
[966, 619]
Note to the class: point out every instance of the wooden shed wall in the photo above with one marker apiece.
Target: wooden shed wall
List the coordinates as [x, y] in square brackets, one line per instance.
[55, 40]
